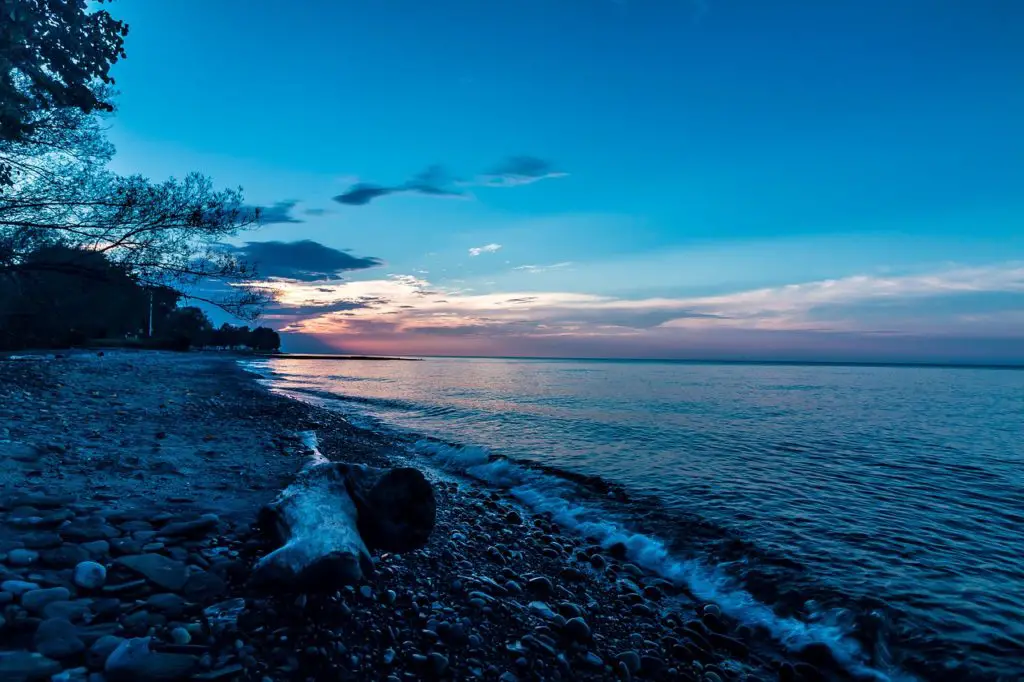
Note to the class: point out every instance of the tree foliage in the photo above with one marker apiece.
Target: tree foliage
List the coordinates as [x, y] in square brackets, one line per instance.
[55, 188]
[54, 55]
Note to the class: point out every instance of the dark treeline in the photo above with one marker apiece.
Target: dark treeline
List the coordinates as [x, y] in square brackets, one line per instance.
[67, 296]
[84, 249]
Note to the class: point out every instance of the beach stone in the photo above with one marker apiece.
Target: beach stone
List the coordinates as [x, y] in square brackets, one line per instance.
[540, 586]
[541, 609]
[90, 575]
[140, 622]
[68, 610]
[72, 675]
[631, 659]
[57, 638]
[203, 586]
[158, 569]
[438, 662]
[41, 540]
[133, 660]
[577, 630]
[18, 587]
[65, 556]
[101, 649]
[34, 601]
[712, 610]
[22, 557]
[97, 549]
[122, 546]
[22, 665]
[87, 531]
[167, 603]
[180, 636]
[191, 529]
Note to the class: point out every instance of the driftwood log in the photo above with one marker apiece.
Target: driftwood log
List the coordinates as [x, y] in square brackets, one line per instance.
[333, 514]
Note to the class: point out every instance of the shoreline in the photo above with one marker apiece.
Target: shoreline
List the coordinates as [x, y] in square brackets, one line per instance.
[498, 593]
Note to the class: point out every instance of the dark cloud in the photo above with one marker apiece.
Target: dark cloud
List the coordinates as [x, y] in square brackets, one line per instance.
[519, 170]
[281, 212]
[436, 181]
[304, 260]
[524, 299]
[363, 193]
[432, 181]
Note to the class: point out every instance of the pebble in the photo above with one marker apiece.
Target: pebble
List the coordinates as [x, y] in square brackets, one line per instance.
[18, 587]
[180, 635]
[577, 630]
[35, 601]
[540, 586]
[439, 662]
[631, 659]
[22, 665]
[101, 649]
[90, 575]
[22, 557]
[541, 609]
[163, 572]
[133, 660]
[57, 638]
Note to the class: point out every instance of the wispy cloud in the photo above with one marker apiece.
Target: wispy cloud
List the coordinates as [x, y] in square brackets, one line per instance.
[488, 248]
[279, 212]
[414, 305]
[519, 170]
[534, 269]
[437, 182]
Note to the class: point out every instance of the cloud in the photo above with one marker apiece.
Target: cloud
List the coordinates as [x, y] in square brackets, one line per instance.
[519, 170]
[304, 260]
[534, 269]
[280, 212]
[316, 212]
[437, 182]
[487, 248]
[403, 313]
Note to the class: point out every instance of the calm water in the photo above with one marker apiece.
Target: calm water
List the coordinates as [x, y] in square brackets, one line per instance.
[877, 509]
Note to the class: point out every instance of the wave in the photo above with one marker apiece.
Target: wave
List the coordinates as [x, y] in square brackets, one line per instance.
[544, 493]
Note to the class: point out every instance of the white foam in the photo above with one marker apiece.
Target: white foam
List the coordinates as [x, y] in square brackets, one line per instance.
[709, 583]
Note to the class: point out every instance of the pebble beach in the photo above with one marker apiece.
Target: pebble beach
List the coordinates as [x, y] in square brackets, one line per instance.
[130, 486]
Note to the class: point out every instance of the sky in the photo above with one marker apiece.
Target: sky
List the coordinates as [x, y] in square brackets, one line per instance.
[711, 179]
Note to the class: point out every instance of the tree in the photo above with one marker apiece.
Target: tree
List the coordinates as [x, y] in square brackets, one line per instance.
[264, 339]
[188, 327]
[55, 55]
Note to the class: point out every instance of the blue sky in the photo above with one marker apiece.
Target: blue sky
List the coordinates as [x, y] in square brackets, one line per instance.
[726, 178]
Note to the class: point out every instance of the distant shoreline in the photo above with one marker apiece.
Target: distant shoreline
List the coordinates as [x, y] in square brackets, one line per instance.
[670, 361]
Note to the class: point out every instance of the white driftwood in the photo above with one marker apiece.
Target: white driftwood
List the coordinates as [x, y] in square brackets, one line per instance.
[333, 514]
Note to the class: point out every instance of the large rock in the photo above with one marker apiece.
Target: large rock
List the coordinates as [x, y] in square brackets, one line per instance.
[57, 638]
[133, 661]
[191, 529]
[101, 649]
[35, 601]
[21, 666]
[158, 569]
[90, 575]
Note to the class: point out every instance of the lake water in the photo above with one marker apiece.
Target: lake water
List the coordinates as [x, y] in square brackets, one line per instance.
[877, 509]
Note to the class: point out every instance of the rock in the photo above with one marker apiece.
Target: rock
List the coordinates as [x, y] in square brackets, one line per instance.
[228, 672]
[540, 586]
[191, 529]
[167, 603]
[90, 575]
[541, 609]
[97, 549]
[140, 622]
[180, 636]
[592, 660]
[18, 587]
[631, 659]
[158, 569]
[438, 662]
[57, 638]
[577, 630]
[203, 586]
[598, 562]
[22, 557]
[41, 540]
[712, 610]
[133, 660]
[100, 651]
[35, 601]
[72, 675]
[16, 666]
[65, 556]
[572, 574]
[69, 610]
[87, 531]
[513, 518]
